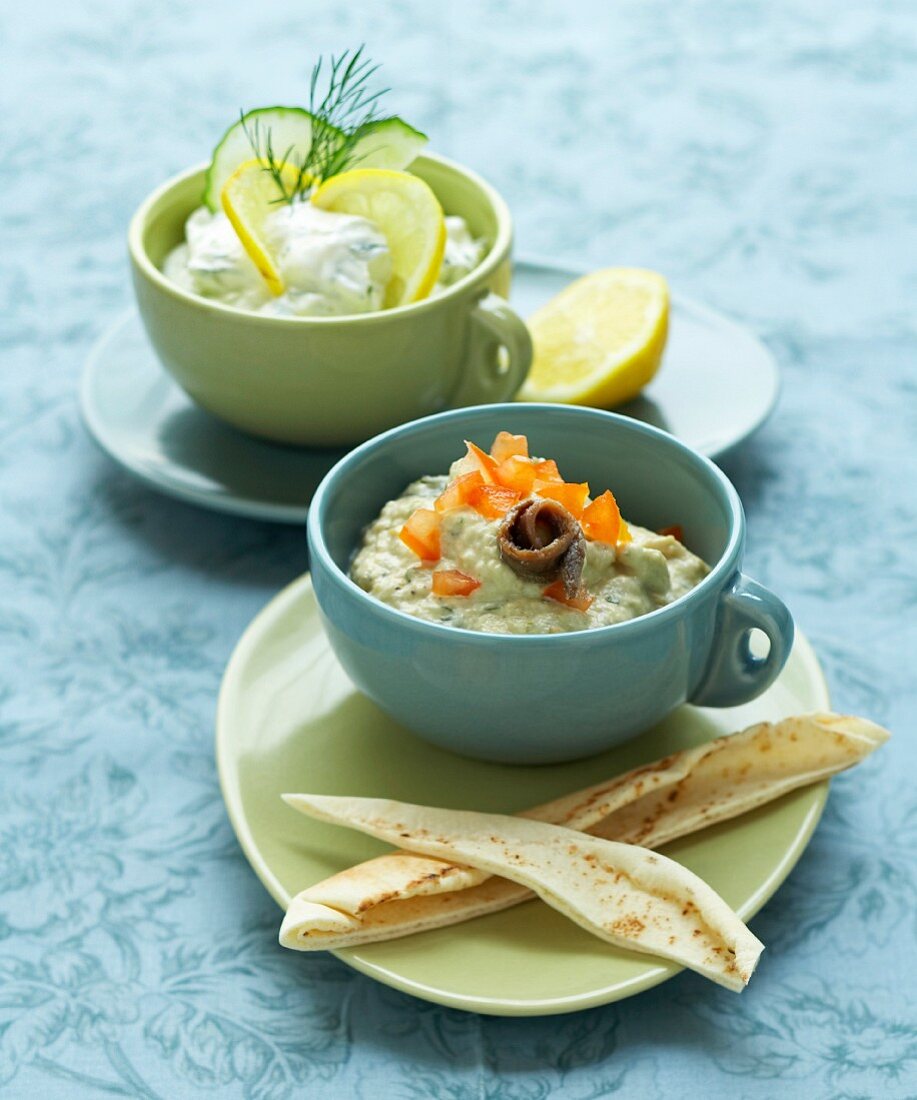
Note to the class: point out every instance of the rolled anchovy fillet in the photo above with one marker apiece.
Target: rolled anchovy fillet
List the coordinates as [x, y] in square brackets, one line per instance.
[571, 568]
[539, 539]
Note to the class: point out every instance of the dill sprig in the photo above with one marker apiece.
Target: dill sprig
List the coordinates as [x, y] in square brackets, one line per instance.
[346, 108]
[342, 109]
[263, 148]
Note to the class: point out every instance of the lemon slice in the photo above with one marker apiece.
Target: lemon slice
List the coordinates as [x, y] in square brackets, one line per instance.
[410, 217]
[248, 196]
[600, 341]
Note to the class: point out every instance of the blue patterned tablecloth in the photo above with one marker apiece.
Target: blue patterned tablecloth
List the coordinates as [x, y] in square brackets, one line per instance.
[763, 155]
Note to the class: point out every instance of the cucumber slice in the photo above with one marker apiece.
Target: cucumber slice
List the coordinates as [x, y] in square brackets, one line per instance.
[288, 126]
[386, 143]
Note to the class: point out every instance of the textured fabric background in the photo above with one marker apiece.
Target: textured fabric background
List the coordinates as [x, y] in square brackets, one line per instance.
[761, 153]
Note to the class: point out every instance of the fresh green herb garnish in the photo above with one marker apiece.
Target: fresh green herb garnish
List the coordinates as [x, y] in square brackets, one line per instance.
[342, 109]
[347, 107]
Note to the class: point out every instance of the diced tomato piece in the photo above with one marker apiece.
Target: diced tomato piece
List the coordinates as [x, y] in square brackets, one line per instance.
[547, 471]
[421, 534]
[494, 501]
[453, 582]
[517, 472]
[506, 446]
[457, 493]
[557, 592]
[571, 495]
[602, 520]
[476, 459]
[676, 531]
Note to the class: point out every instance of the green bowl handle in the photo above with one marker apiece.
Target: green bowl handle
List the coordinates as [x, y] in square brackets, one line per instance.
[488, 375]
[734, 674]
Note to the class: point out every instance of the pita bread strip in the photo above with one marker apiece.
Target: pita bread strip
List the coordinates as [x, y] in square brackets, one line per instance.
[625, 895]
[734, 775]
[761, 763]
[634, 807]
[310, 927]
[389, 878]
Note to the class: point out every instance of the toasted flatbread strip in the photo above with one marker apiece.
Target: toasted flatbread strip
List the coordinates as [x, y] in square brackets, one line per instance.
[724, 778]
[401, 893]
[629, 896]
[313, 926]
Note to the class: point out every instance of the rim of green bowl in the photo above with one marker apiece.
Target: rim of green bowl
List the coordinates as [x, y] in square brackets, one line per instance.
[499, 251]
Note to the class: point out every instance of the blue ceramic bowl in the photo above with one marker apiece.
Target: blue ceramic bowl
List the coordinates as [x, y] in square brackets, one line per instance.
[548, 697]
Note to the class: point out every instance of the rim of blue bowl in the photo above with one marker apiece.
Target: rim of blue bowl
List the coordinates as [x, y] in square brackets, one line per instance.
[724, 567]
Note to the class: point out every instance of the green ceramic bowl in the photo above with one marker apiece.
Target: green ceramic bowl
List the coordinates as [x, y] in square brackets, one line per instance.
[331, 381]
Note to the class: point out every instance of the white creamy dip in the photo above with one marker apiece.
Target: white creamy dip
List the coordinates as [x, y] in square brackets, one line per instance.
[463, 253]
[332, 264]
[624, 582]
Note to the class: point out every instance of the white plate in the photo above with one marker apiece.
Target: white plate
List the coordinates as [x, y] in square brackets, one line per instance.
[716, 386]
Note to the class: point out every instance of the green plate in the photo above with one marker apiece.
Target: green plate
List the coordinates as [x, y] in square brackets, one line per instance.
[290, 720]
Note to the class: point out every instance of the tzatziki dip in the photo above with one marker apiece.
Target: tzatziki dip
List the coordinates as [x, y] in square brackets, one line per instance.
[313, 212]
[503, 545]
[332, 264]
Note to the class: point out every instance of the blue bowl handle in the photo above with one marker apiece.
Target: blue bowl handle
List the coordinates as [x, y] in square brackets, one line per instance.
[734, 674]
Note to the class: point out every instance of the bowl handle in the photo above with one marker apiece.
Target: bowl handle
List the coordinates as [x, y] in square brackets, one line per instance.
[734, 674]
[486, 375]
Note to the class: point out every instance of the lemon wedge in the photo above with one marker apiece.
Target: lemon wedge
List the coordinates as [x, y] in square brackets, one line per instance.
[248, 196]
[408, 214]
[599, 341]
